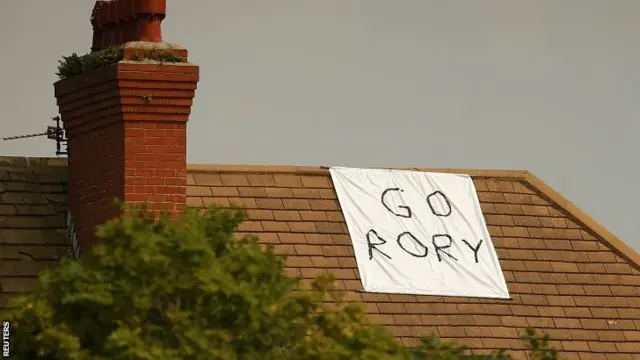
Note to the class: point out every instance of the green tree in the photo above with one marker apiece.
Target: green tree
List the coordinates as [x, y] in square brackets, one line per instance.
[189, 289]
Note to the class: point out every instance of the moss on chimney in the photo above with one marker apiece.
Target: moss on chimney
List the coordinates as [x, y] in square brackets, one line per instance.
[75, 64]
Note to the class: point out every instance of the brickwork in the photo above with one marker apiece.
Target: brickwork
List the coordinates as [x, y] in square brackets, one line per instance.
[154, 164]
[563, 280]
[95, 179]
[126, 125]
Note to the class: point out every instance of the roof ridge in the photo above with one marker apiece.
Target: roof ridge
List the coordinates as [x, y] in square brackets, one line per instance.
[569, 207]
[31, 161]
[324, 170]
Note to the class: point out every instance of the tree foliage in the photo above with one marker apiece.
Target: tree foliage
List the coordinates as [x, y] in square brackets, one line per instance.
[190, 289]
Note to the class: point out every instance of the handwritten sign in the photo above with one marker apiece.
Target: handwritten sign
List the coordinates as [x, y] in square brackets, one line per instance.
[418, 233]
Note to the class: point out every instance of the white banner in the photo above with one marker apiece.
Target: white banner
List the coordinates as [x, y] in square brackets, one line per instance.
[418, 233]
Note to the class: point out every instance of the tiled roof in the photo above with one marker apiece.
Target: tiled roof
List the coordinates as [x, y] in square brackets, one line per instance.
[33, 206]
[567, 275]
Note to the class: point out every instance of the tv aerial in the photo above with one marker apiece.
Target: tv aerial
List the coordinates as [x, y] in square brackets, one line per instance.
[56, 133]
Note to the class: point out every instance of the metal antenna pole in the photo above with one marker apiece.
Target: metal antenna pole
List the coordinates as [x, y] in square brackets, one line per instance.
[53, 133]
[24, 136]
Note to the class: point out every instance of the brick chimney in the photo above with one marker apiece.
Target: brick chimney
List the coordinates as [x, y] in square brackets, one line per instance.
[126, 122]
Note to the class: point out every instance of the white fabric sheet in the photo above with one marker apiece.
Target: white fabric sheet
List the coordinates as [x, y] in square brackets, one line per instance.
[418, 233]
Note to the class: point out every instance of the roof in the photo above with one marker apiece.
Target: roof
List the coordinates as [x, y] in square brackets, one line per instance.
[33, 207]
[567, 275]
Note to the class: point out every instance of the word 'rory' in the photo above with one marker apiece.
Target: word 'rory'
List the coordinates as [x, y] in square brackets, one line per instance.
[407, 241]
[416, 248]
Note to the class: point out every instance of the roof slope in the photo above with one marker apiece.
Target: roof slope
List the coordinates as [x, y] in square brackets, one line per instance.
[33, 206]
[567, 275]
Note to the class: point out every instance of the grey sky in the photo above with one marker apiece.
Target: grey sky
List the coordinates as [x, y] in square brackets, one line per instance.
[550, 86]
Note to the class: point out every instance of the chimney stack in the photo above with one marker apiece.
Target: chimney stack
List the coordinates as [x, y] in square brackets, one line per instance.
[126, 120]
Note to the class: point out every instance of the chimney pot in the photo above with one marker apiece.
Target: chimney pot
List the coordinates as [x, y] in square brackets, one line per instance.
[157, 7]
